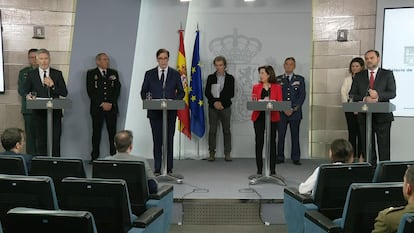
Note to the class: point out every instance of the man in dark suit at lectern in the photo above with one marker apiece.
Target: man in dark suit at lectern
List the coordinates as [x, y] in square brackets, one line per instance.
[162, 82]
[46, 82]
[375, 85]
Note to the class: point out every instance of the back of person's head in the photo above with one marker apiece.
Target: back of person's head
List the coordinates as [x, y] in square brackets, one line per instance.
[409, 175]
[409, 183]
[11, 137]
[341, 151]
[123, 140]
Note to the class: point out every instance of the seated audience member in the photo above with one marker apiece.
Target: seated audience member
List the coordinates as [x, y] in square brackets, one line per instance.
[13, 141]
[123, 145]
[388, 220]
[340, 152]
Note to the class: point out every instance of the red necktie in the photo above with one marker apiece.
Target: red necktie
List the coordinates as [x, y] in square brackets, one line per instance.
[371, 80]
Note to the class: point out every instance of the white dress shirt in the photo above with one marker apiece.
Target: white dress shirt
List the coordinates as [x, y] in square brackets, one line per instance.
[42, 73]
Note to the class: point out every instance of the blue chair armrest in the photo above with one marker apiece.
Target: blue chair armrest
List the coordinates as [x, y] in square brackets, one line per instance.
[147, 217]
[302, 198]
[162, 192]
[315, 222]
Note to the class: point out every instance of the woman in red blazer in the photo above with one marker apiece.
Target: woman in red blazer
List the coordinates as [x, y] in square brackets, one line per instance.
[266, 89]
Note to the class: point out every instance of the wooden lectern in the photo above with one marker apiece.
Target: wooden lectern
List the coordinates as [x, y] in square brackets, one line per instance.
[267, 107]
[165, 105]
[49, 105]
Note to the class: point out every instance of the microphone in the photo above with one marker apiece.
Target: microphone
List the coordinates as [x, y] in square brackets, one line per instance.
[367, 93]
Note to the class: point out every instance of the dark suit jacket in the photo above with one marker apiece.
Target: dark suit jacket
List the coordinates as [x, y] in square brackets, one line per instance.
[384, 84]
[34, 84]
[173, 89]
[27, 158]
[225, 95]
[103, 89]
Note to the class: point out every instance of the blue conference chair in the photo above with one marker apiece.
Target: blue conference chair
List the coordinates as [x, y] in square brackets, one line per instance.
[406, 224]
[133, 172]
[57, 168]
[329, 194]
[21, 220]
[13, 165]
[363, 202]
[390, 171]
[108, 201]
[26, 191]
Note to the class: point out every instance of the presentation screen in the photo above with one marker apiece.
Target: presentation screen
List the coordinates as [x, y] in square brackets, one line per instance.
[1, 58]
[396, 32]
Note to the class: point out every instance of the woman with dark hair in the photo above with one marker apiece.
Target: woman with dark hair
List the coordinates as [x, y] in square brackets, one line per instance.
[266, 89]
[357, 65]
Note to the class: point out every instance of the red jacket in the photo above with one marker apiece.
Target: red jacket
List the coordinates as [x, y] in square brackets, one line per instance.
[275, 94]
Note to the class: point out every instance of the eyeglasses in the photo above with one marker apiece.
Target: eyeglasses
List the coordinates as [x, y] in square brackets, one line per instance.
[162, 58]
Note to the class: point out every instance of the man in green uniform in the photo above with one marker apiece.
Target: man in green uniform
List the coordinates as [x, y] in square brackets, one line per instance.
[388, 220]
[27, 113]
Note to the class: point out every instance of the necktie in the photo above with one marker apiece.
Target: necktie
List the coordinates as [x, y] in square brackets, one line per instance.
[162, 78]
[371, 80]
[44, 76]
[104, 73]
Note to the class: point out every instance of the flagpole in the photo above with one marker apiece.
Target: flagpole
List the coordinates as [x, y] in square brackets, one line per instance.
[198, 148]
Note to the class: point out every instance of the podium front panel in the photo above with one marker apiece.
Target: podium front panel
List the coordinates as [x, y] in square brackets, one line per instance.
[268, 105]
[43, 103]
[380, 107]
[160, 104]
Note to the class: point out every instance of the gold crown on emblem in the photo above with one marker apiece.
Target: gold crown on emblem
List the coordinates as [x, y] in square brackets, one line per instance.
[236, 48]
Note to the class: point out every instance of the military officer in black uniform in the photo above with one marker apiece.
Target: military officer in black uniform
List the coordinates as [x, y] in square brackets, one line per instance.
[293, 89]
[27, 113]
[388, 220]
[103, 88]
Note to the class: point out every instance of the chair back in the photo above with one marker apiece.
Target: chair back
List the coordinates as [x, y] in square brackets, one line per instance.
[391, 171]
[106, 199]
[26, 191]
[133, 172]
[333, 183]
[19, 220]
[57, 169]
[13, 165]
[364, 202]
[406, 223]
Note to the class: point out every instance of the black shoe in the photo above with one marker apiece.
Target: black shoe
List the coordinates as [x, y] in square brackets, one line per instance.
[279, 161]
[157, 173]
[297, 162]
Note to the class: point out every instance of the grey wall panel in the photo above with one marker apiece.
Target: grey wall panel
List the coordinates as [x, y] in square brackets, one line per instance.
[100, 26]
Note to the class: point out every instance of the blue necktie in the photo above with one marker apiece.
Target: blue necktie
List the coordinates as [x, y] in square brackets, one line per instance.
[162, 78]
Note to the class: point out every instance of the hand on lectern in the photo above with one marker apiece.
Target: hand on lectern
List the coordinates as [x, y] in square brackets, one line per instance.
[373, 93]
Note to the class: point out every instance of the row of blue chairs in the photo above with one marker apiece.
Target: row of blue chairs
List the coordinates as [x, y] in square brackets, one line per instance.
[132, 172]
[347, 193]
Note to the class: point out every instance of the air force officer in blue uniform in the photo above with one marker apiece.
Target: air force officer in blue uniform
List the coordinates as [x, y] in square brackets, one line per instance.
[162, 82]
[293, 89]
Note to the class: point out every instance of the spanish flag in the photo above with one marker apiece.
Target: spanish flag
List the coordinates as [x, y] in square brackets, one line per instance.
[183, 114]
